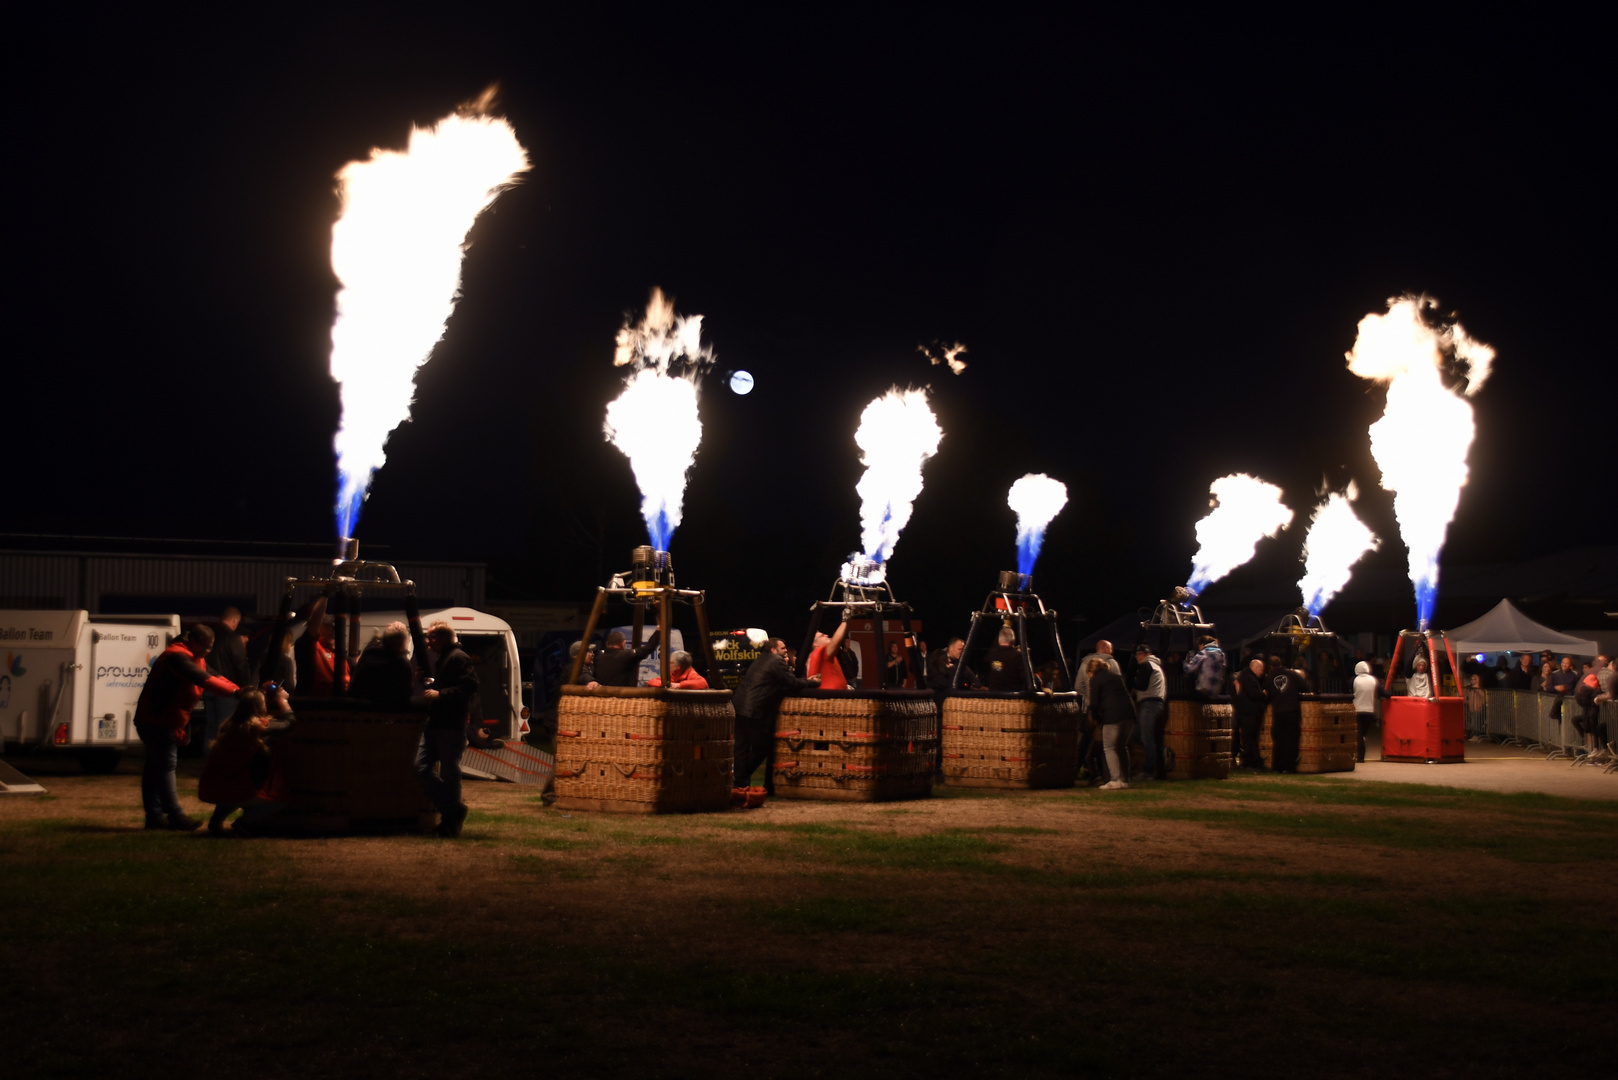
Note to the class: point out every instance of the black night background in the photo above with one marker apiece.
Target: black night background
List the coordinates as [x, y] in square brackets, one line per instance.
[1155, 239]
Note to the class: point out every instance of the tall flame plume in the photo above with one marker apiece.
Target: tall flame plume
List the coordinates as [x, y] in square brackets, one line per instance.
[1245, 511]
[1337, 540]
[654, 422]
[1426, 430]
[1036, 499]
[897, 434]
[396, 250]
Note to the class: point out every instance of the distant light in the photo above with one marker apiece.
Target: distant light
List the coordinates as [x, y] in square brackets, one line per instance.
[1480, 658]
[741, 382]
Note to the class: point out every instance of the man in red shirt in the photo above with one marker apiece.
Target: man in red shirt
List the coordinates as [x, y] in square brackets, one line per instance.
[316, 654]
[823, 659]
[172, 690]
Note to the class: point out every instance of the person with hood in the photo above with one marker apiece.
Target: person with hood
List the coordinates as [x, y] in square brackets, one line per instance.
[1420, 683]
[1113, 713]
[1206, 667]
[1286, 689]
[1248, 700]
[1366, 691]
[758, 698]
[172, 690]
[1151, 705]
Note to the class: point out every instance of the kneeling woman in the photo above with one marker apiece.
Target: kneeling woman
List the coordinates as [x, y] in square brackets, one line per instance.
[240, 772]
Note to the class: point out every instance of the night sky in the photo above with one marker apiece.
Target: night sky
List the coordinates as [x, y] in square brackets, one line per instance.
[1155, 239]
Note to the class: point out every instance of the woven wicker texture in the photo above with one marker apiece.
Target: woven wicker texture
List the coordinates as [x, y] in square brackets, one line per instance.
[672, 750]
[353, 770]
[1199, 735]
[1010, 742]
[1329, 741]
[866, 748]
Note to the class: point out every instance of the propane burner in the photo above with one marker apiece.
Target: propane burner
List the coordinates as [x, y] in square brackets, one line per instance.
[650, 568]
[1013, 582]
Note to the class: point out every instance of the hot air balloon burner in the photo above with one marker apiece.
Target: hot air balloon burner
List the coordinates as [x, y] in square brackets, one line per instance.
[648, 586]
[1013, 582]
[1013, 603]
[650, 568]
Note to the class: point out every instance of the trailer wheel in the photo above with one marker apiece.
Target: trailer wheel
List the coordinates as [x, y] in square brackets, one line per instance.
[99, 762]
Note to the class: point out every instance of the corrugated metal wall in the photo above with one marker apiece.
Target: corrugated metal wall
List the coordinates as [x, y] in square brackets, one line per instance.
[92, 581]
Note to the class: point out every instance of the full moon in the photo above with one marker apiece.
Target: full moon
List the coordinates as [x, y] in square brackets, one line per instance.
[741, 382]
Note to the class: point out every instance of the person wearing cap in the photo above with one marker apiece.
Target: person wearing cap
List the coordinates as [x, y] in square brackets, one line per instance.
[1151, 708]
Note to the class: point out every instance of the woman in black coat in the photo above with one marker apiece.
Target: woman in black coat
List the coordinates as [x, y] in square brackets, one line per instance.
[1114, 713]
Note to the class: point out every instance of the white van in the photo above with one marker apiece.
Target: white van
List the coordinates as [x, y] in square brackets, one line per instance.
[71, 679]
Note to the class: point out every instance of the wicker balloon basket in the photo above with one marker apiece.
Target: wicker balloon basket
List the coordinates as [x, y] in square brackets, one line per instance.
[1011, 740]
[347, 769]
[1328, 743]
[644, 750]
[1197, 740]
[856, 745]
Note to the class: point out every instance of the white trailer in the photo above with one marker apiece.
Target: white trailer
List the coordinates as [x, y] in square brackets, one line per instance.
[71, 679]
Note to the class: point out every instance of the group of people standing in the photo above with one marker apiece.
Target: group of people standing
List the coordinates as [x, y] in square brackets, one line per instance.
[247, 708]
[1118, 709]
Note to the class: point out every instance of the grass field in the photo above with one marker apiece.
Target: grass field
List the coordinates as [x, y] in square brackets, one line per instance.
[1261, 927]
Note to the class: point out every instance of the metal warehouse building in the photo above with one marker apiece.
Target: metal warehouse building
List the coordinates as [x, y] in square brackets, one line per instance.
[197, 585]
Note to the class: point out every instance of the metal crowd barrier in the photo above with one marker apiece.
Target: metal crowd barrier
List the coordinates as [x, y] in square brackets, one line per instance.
[1500, 714]
[1532, 719]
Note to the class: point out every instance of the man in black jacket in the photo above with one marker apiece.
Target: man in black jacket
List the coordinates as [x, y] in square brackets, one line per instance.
[1286, 689]
[228, 660]
[1248, 699]
[941, 667]
[758, 698]
[451, 700]
[1003, 665]
[617, 664]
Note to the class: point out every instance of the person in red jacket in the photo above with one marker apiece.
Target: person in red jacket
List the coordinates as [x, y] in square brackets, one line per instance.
[240, 772]
[172, 690]
[682, 676]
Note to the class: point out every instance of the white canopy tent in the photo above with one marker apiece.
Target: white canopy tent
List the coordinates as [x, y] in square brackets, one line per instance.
[1505, 629]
